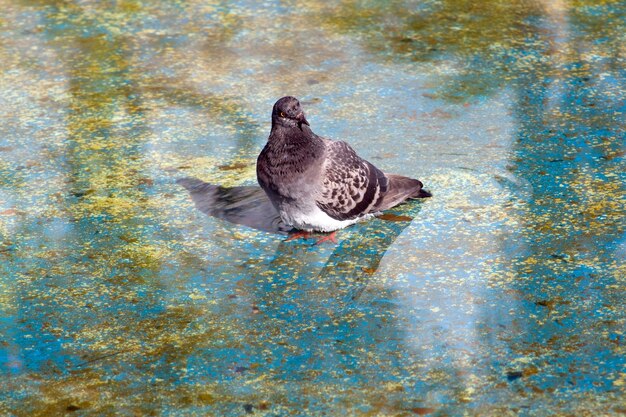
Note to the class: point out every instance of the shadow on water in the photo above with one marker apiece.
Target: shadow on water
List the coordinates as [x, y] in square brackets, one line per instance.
[347, 269]
[245, 205]
[358, 255]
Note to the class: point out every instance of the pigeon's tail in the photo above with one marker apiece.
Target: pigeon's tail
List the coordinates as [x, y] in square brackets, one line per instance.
[399, 189]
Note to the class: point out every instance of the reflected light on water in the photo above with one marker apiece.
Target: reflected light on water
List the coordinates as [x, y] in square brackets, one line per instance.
[126, 291]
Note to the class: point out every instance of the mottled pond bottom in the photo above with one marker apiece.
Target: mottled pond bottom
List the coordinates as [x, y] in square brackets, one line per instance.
[143, 273]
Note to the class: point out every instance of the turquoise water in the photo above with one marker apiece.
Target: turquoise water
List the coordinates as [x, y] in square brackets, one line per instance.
[124, 293]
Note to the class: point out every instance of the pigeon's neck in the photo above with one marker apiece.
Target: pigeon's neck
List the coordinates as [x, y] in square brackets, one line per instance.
[293, 146]
[300, 137]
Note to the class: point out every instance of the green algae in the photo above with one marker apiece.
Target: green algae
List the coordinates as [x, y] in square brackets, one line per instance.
[501, 297]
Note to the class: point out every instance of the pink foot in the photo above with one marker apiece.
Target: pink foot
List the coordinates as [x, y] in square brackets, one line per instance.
[330, 236]
[301, 234]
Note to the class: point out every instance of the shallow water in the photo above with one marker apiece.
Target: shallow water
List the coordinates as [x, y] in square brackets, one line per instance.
[500, 295]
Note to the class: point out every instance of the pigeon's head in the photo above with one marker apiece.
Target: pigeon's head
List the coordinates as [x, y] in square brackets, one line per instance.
[288, 113]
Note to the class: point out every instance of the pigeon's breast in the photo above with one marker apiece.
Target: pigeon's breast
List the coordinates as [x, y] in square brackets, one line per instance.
[314, 219]
[298, 188]
[291, 183]
[292, 171]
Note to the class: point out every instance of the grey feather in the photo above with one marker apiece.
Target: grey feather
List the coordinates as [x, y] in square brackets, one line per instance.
[351, 186]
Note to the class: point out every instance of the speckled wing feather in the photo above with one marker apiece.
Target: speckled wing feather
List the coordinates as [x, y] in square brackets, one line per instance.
[351, 186]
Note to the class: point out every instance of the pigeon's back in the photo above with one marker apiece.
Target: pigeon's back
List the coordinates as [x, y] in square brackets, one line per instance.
[354, 187]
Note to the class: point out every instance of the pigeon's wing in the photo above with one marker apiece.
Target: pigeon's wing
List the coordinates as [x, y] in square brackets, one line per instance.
[350, 186]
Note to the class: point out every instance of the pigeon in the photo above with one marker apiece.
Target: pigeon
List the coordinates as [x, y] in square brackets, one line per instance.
[321, 185]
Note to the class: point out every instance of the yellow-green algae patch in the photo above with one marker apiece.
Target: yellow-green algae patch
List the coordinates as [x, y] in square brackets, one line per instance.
[500, 295]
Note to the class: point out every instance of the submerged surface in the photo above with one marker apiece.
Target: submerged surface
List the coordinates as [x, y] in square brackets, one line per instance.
[501, 295]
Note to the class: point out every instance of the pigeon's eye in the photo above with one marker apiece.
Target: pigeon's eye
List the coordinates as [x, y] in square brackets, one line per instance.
[282, 114]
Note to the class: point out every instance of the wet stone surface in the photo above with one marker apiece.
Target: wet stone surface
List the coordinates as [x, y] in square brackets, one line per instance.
[134, 281]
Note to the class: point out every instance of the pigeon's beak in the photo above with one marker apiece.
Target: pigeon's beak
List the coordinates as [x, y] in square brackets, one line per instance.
[301, 119]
